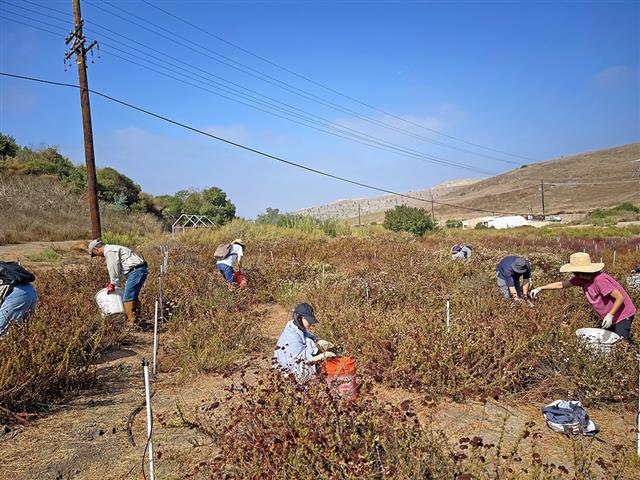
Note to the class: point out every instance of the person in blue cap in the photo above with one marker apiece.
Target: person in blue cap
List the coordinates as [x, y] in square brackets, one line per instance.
[298, 350]
[508, 274]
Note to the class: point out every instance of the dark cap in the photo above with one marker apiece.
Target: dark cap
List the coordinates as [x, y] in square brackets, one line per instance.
[306, 311]
[520, 265]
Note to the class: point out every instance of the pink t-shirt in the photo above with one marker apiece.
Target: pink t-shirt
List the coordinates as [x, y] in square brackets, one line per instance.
[598, 292]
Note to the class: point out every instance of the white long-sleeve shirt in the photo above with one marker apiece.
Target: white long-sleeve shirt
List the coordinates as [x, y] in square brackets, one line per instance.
[235, 254]
[120, 260]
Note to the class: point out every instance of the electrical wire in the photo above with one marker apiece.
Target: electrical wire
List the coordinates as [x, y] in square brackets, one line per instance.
[343, 131]
[332, 90]
[247, 148]
[247, 70]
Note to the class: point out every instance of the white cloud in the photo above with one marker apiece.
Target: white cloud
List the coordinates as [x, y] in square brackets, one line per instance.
[614, 75]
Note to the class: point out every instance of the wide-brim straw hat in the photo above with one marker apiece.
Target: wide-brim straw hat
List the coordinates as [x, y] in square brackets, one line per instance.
[581, 263]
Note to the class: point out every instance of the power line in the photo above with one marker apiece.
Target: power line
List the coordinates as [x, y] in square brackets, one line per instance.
[244, 147]
[332, 90]
[343, 131]
[248, 70]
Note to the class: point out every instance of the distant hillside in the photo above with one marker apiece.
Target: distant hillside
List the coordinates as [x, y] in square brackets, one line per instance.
[578, 183]
[372, 205]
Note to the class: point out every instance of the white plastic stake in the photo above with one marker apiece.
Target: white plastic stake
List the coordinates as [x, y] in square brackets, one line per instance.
[155, 337]
[614, 257]
[448, 311]
[147, 393]
[160, 298]
[166, 258]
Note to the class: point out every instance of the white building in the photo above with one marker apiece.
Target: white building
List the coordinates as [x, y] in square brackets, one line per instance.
[507, 222]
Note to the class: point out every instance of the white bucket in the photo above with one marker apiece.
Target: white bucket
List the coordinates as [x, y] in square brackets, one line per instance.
[599, 339]
[110, 303]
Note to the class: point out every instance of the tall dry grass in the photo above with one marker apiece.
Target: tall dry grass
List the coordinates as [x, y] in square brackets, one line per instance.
[40, 208]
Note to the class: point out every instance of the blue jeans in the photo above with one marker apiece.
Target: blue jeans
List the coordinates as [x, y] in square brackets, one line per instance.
[226, 271]
[135, 280]
[17, 306]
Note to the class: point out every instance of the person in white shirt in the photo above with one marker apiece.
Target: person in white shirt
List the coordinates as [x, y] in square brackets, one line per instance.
[461, 252]
[225, 265]
[121, 262]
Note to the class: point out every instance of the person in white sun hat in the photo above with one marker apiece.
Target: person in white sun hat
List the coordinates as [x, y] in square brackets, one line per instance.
[607, 297]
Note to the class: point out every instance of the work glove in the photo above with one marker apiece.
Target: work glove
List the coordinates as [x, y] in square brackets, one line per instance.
[322, 357]
[325, 345]
[111, 288]
[534, 293]
[607, 321]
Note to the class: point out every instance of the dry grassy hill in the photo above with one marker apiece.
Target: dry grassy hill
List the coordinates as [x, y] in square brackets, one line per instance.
[39, 207]
[577, 183]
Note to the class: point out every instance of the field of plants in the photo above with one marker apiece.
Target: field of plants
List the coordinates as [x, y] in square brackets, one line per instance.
[382, 298]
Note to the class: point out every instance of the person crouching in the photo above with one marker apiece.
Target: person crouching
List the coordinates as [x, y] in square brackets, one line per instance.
[297, 351]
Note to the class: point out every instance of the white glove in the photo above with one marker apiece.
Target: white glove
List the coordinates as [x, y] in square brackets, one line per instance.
[322, 357]
[325, 345]
[607, 321]
[535, 292]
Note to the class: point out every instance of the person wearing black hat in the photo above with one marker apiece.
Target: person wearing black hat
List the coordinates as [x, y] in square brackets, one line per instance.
[508, 273]
[298, 350]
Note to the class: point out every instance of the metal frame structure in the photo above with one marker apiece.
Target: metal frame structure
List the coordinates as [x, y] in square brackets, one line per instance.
[188, 222]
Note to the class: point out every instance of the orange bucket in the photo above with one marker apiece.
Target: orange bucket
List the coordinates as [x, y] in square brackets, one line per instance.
[341, 377]
[240, 279]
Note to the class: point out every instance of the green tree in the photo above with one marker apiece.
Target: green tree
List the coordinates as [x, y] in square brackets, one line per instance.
[408, 219]
[114, 187]
[270, 217]
[8, 146]
[47, 161]
[217, 206]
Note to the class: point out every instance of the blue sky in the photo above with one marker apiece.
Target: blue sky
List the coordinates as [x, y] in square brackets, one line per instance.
[535, 79]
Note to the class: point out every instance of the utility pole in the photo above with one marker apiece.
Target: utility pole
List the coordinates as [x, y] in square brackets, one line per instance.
[80, 50]
[544, 214]
[433, 215]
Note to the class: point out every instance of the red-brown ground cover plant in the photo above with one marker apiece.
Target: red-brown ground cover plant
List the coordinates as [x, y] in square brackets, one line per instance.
[209, 326]
[51, 355]
[384, 302]
[282, 430]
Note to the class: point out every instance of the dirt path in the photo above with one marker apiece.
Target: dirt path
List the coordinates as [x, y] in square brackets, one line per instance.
[41, 255]
[87, 438]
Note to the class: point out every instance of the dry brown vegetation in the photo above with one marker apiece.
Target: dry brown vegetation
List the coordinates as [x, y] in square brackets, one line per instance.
[382, 299]
[41, 208]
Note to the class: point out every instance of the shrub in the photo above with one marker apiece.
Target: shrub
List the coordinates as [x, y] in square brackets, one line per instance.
[116, 188]
[8, 146]
[408, 219]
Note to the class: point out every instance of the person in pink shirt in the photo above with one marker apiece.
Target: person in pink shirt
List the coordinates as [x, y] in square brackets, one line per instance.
[607, 297]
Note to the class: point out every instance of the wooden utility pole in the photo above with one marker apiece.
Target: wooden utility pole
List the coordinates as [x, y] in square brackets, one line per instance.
[433, 215]
[80, 50]
[544, 214]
